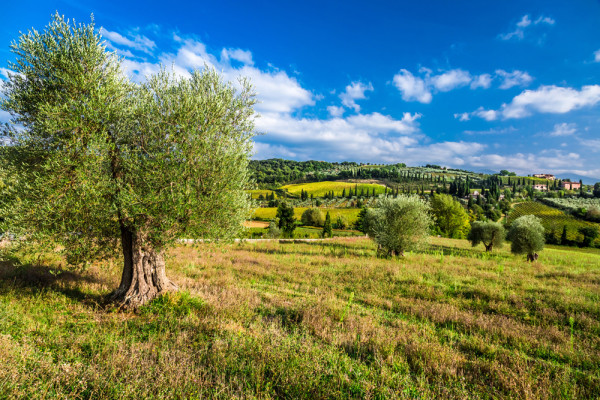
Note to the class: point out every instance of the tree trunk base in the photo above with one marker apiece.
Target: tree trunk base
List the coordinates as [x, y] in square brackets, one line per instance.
[144, 276]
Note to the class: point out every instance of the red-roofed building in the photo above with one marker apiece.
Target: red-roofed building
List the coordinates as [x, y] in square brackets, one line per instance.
[570, 185]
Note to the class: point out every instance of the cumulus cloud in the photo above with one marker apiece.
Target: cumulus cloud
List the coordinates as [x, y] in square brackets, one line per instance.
[335, 111]
[421, 88]
[481, 81]
[412, 88]
[355, 91]
[524, 24]
[597, 55]
[136, 41]
[563, 129]
[548, 99]
[551, 99]
[514, 78]
[450, 80]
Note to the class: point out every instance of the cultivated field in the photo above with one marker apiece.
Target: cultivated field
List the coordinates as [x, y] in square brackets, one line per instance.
[268, 213]
[321, 188]
[309, 320]
[554, 220]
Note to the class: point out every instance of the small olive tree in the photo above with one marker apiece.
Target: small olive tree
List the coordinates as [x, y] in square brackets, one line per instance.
[399, 224]
[526, 235]
[491, 234]
[312, 217]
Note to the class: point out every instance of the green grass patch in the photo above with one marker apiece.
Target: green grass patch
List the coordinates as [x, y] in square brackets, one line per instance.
[314, 320]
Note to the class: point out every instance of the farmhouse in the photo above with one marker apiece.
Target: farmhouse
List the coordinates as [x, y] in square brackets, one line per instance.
[570, 185]
[540, 187]
[545, 176]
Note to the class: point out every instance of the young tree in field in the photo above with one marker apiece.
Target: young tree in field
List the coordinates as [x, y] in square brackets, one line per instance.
[399, 224]
[491, 234]
[312, 217]
[450, 217]
[100, 164]
[327, 229]
[287, 222]
[526, 235]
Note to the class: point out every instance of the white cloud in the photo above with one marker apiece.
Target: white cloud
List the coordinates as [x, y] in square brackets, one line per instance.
[493, 131]
[355, 91]
[552, 161]
[335, 111]
[462, 116]
[451, 80]
[514, 78]
[524, 23]
[421, 88]
[481, 81]
[546, 99]
[597, 55]
[411, 87]
[488, 115]
[242, 56]
[276, 90]
[138, 42]
[563, 129]
[544, 20]
[551, 99]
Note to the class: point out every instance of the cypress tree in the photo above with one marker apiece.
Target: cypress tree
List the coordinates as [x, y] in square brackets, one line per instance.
[327, 231]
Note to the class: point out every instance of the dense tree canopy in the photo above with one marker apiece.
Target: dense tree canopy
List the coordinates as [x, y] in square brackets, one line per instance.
[97, 161]
[400, 224]
[450, 217]
[526, 234]
[489, 233]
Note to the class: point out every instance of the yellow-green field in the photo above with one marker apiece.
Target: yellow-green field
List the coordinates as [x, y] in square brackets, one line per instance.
[317, 320]
[255, 193]
[553, 220]
[322, 188]
[268, 213]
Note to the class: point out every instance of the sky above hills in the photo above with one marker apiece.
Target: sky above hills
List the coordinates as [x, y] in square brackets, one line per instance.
[475, 85]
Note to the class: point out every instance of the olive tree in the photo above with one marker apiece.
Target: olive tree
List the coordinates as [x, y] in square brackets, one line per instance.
[99, 164]
[526, 235]
[312, 217]
[399, 224]
[489, 233]
[451, 219]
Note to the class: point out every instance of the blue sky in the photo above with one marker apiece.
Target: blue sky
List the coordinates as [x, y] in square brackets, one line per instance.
[469, 84]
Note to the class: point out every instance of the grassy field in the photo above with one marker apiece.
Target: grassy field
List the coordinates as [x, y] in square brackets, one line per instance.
[309, 320]
[553, 220]
[268, 213]
[321, 188]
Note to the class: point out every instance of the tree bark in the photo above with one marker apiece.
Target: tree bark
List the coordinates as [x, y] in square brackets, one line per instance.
[488, 247]
[144, 276]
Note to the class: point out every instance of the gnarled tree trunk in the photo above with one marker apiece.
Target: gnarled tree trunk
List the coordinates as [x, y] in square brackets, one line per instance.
[144, 276]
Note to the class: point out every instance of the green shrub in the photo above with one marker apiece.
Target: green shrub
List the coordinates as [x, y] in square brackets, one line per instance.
[312, 217]
[527, 236]
[399, 224]
[489, 233]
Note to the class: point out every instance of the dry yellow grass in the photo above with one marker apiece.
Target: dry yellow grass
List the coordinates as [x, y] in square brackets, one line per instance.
[310, 320]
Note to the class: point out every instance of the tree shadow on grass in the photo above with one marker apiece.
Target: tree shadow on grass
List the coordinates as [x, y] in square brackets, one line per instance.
[34, 278]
